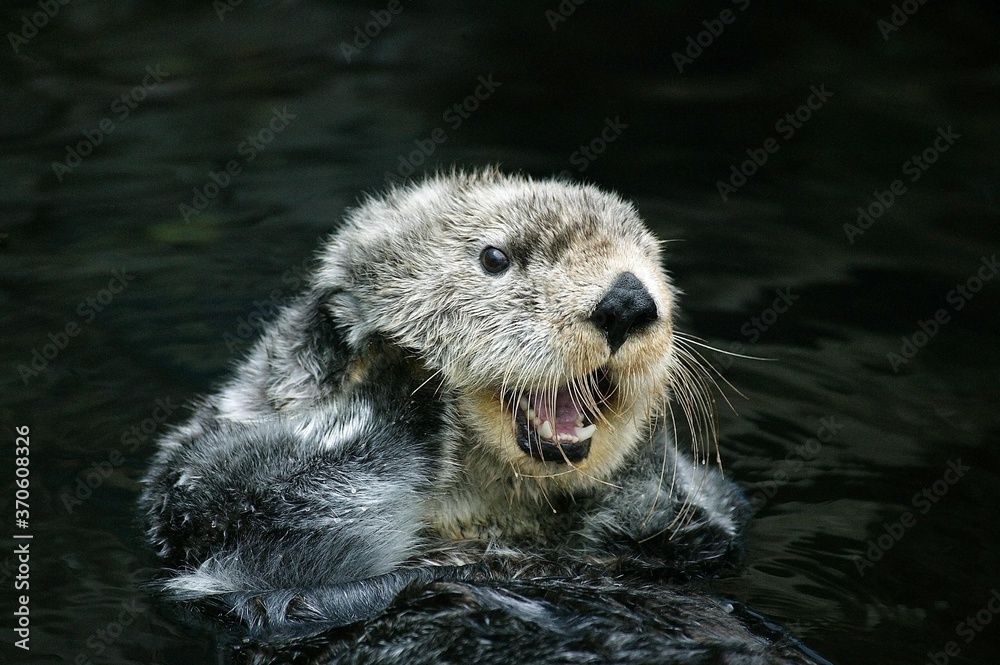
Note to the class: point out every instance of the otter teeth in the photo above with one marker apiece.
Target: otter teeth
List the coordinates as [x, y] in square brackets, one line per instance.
[545, 429]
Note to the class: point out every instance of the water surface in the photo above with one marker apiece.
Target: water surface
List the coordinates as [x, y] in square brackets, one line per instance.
[835, 438]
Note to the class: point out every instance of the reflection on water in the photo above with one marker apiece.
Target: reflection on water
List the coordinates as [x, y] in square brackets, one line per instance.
[205, 155]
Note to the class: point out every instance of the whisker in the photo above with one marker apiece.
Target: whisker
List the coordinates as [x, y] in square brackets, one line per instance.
[700, 342]
[701, 363]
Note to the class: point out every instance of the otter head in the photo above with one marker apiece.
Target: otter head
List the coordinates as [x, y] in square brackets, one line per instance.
[540, 307]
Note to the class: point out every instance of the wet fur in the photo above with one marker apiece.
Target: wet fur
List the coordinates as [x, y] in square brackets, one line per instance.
[356, 472]
[572, 618]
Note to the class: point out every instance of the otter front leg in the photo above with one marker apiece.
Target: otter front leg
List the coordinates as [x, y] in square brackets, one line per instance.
[683, 514]
[288, 503]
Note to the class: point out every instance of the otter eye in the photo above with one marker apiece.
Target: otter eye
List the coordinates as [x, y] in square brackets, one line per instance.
[494, 260]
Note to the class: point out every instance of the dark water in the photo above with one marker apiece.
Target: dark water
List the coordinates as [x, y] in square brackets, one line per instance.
[835, 439]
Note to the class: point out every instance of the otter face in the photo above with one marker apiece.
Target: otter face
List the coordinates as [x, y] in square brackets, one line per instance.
[541, 308]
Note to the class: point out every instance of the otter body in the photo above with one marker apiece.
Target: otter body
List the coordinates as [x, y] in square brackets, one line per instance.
[474, 388]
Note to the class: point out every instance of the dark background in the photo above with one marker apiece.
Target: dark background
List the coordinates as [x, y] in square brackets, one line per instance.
[201, 286]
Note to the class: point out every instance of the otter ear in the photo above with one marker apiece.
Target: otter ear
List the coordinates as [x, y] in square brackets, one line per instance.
[333, 283]
[347, 315]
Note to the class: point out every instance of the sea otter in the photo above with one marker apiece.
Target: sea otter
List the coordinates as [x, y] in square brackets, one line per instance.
[476, 389]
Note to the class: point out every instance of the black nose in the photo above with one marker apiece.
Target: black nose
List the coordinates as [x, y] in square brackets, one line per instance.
[626, 308]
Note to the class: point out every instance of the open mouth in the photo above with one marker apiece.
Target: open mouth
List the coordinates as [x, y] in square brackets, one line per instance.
[558, 426]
